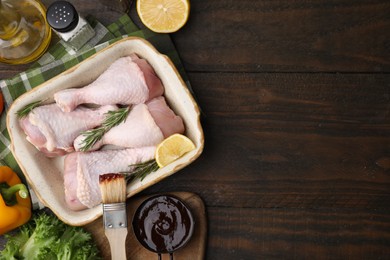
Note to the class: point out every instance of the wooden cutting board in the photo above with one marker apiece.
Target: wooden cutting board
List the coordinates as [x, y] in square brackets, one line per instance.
[195, 249]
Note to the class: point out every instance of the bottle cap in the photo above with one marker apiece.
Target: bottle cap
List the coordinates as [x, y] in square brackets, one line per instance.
[62, 16]
[73, 29]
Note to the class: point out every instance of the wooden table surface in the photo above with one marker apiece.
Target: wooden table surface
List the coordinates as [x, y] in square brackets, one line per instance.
[296, 114]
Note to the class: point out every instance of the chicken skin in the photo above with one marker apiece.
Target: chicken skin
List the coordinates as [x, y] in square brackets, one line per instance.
[147, 124]
[53, 131]
[128, 80]
[82, 170]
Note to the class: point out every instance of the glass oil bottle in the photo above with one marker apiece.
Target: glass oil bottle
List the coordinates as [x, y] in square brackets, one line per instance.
[24, 31]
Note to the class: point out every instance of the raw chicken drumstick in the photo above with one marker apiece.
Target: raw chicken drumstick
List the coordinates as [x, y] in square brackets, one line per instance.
[147, 124]
[53, 131]
[82, 170]
[128, 80]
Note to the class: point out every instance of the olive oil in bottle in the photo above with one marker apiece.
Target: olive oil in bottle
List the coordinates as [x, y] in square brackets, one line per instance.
[24, 31]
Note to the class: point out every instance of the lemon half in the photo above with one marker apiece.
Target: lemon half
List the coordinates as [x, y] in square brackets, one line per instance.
[163, 16]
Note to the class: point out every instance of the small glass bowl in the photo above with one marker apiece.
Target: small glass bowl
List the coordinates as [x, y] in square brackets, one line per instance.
[163, 224]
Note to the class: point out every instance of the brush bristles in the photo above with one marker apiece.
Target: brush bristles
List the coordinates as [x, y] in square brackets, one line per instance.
[112, 187]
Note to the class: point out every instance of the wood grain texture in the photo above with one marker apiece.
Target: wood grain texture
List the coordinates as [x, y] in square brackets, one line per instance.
[117, 240]
[296, 113]
[304, 152]
[247, 233]
[287, 36]
[292, 140]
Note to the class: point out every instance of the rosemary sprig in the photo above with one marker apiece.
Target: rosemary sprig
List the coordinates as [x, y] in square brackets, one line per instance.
[141, 170]
[113, 118]
[27, 109]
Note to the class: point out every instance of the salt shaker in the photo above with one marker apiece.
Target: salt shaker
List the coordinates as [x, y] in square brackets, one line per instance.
[64, 19]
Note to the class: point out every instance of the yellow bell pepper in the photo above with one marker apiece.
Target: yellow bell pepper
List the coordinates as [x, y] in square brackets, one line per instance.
[15, 203]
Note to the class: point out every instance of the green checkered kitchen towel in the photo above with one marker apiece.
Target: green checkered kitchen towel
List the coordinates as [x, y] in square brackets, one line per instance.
[59, 58]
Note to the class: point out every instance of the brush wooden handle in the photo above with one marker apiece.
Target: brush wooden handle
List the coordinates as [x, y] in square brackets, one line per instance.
[117, 239]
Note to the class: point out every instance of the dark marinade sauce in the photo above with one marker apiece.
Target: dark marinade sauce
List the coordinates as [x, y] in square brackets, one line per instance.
[163, 224]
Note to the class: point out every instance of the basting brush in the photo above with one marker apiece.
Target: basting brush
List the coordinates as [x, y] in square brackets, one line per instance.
[113, 190]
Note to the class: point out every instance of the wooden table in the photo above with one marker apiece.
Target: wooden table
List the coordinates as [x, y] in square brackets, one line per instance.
[296, 103]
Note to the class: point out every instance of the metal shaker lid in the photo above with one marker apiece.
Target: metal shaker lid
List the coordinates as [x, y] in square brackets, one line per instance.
[62, 16]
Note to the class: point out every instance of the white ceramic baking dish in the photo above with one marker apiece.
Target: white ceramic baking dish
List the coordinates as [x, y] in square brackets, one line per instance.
[45, 175]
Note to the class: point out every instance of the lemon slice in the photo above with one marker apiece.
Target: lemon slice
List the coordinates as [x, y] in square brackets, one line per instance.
[173, 148]
[163, 16]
